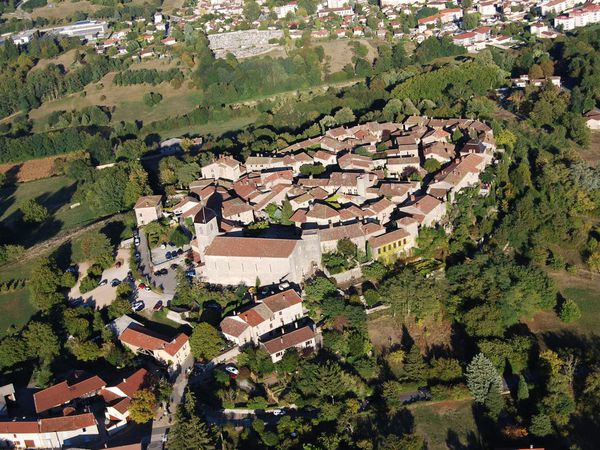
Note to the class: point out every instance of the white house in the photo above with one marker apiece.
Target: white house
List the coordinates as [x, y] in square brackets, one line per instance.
[68, 431]
[269, 314]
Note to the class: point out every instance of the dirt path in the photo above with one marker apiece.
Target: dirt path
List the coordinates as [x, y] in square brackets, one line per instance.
[50, 244]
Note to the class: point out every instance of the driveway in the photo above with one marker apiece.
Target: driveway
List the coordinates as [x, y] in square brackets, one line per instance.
[102, 295]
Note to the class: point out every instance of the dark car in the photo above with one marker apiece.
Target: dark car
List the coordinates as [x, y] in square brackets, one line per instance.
[180, 251]
[115, 282]
[164, 271]
[168, 255]
[158, 306]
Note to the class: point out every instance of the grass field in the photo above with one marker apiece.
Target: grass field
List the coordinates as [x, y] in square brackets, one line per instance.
[337, 52]
[63, 10]
[55, 194]
[592, 153]
[128, 101]
[585, 291]
[447, 425]
[214, 128]
[15, 310]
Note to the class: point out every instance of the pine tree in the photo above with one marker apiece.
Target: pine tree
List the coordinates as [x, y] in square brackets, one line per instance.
[483, 378]
[415, 368]
[522, 389]
[189, 431]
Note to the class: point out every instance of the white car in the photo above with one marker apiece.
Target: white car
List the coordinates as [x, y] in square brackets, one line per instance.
[278, 412]
[232, 370]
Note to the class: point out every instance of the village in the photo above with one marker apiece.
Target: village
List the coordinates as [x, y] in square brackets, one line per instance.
[230, 31]
[269, 223]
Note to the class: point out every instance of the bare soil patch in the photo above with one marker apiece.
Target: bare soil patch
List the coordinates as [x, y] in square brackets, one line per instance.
[36, 169]
[592, 153]
[387, 331]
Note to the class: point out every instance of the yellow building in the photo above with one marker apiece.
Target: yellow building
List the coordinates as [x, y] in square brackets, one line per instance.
[388, 247]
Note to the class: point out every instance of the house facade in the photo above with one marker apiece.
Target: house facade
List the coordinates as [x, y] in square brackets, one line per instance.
[57, 432]
[148, 209]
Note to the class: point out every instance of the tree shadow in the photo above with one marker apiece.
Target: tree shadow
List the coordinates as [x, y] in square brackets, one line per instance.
[453, 441]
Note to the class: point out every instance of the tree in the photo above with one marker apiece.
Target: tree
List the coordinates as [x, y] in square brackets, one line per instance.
[189, 432]
[251, 10]
[119, 307]
[432, 165]
[44, 282]
[347, 248]
[13, 351]
[569, 311]
[94, 247]
[541, 425]
[143, 404]
[205, 341]
[152, 98]
[41, 341]
[522, 389]
[415, 368]
[344, 115]
[535, 72]
[483, 378]
[178, 237]
[471, 21]
[319, 288]
[34, 212]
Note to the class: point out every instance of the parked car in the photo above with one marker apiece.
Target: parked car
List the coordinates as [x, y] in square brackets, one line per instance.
[118, 264]
[104, 282]
[141, 286]
[147, 289]
[71, 269]
[174, 266]
[180, 251]
[163, 246]
[164, 271]
[191, 273]
[115, 282]
[278, 412]
[168, 255]
[158, 306]
[232, 370]
[157, 273]
[138, 306]
[129, 277]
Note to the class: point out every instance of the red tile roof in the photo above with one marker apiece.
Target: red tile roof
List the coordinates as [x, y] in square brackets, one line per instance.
[247, 247]
[68, 423]
[289, 340]
[134, 382]
[149, 201]
[142, 337]
[62, 393]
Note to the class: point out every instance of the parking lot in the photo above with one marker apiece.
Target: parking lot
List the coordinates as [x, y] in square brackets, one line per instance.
[103, 295]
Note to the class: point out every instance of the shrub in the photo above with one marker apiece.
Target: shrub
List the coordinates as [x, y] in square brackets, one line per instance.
[87, 284]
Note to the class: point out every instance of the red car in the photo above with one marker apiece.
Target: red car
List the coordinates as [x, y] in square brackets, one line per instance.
[158, 306]
[141, 286]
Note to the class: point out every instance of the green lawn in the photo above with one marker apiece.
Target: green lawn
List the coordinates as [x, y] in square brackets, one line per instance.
[446, 425]
[15, 310]
[55, 194]
[214, 128]
[582, 289]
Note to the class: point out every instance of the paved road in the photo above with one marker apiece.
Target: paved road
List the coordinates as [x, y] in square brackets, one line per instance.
[161, 425]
